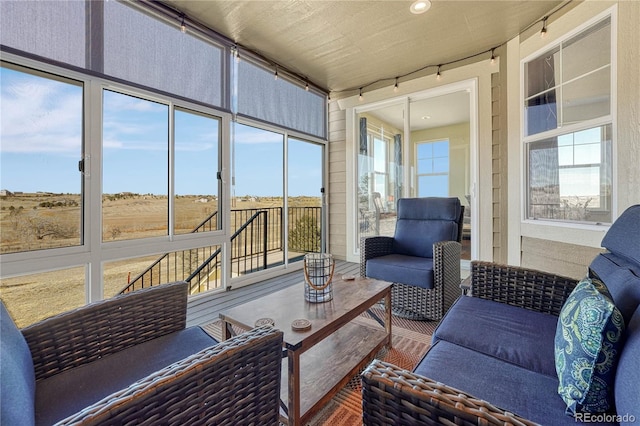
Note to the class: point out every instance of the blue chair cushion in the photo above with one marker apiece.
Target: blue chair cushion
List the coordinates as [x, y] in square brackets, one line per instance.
[69, 392]
[624, 234]
[587, 343]
[627, 381]
[398, 268]
[421, 222]
[18, 384]
[416, 237]
[513, 388]
[521, 337]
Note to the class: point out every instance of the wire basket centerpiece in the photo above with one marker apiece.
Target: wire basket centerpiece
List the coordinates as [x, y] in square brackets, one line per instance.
[318, 273]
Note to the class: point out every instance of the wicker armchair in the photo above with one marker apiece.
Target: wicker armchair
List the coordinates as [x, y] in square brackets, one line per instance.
[130, 360]
[394, 396]
[422, 259]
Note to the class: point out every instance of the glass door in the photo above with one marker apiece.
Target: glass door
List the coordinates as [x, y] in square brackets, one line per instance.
[305, 198]
[439, 149]
[380, 173]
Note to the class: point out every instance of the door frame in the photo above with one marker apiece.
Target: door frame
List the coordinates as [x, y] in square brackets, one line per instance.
[471, 86]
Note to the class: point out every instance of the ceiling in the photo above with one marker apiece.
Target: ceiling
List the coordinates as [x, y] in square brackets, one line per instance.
[438, 111]
[342, 46]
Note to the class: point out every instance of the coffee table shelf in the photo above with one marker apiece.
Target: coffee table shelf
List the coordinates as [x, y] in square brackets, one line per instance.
[330, 364]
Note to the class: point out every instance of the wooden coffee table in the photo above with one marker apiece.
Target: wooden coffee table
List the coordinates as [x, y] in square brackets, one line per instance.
[321, 360]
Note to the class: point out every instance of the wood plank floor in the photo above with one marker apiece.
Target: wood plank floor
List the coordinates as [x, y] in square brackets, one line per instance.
[204, 310]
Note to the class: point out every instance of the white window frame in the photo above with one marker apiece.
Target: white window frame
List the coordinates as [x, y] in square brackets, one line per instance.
[573, 127]
[93, 253]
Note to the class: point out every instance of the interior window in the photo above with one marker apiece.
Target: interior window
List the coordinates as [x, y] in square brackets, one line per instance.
[433, 169]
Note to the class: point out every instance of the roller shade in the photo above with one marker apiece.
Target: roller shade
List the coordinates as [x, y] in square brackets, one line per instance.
[52, 29]
[279, 101]
[144, 50]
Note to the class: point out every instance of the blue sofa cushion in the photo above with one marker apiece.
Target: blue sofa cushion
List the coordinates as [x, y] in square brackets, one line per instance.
[627, 381]
[421, 222]
[623, 236]
[587, 344]
[410, 270]
[621, 280]
[69, 392]
[519, 336]
[508, 386]
[18, 388]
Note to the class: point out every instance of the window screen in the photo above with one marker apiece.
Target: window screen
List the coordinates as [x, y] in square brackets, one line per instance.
[147, 51]
[278, 101]
[51, 29]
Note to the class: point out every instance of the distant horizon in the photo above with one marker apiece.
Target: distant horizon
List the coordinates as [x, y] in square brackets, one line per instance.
[155, 195]
[42, 141]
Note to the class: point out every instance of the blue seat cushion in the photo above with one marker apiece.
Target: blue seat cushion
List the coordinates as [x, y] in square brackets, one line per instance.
[627, 381]
[18, 388]
[69, 392]
[398, 268]
[588, 341]
[512, 388]
[512, 334]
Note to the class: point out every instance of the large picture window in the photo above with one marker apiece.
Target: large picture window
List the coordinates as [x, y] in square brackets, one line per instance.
[568, 128]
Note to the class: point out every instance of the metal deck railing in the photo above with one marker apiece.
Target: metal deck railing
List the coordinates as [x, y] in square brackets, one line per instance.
[260, 233]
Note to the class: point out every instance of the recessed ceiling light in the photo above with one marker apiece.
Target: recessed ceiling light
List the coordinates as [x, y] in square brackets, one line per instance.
[420, 6]
[426, 117]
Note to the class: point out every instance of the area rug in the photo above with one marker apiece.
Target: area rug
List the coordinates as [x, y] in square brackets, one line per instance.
[410, 339]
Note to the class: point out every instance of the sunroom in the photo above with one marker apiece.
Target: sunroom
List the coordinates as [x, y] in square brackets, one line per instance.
[146, 142]
[193, 180]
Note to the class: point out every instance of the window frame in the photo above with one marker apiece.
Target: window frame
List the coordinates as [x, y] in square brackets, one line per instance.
[243, 280]
[93, 252]
[571, 128]
[385, 141]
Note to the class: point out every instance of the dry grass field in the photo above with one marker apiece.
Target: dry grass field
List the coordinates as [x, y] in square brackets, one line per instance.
[41, 221]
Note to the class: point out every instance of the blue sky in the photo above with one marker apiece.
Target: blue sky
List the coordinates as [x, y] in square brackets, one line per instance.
[41, 144]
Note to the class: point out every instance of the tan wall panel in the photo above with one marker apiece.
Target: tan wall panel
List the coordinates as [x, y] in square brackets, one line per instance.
[337, 191]
[569, 260]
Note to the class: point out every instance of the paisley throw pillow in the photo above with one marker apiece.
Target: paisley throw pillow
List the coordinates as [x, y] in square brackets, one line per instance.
[587, 344]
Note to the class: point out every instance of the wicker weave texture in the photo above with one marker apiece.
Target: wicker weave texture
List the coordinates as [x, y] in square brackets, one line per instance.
[393, 396]
[527, 288]
[417, 303]
[235, 382]
[371, 247]
[90, 332]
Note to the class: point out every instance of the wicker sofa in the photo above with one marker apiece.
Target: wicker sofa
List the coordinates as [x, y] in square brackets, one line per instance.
[493, 356]
[131, 360]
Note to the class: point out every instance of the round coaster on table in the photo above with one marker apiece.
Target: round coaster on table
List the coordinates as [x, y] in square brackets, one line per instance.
[300, 325]
[265, 321]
